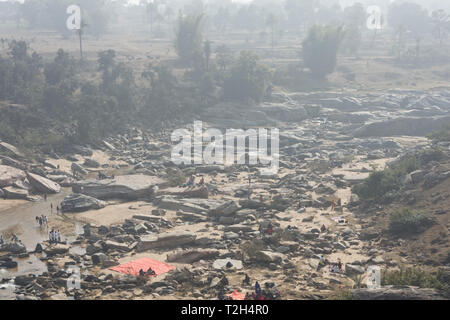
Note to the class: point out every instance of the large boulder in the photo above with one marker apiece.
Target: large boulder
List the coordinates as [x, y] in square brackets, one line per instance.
[127, 187]
[80, 202]
[268, 257]
[191, 256]
[402, 127]
[198, 206]
[15, 193]
[398, 293]
[166, 240]
[227, 264]
[10, 148]
[200, 192]
[77, 168]
[9, 175]
[226, 209]
[351, 269]
[112, 245]
[56, 249]
[42, 184]
[13, 247]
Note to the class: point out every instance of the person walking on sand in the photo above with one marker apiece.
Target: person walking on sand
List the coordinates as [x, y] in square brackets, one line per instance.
[333, 204]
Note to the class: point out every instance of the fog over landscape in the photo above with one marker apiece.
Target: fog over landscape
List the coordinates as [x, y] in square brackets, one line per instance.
[224, 150]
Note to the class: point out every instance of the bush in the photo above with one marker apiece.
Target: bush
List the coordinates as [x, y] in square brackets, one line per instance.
[417, 277]
[407, 221]
[248, 79]
[176, 177]
[442, 135]
[380, 183]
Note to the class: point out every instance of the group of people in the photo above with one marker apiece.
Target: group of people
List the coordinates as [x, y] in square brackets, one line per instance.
[14, 238]
[268, 230]
[54, 236]
[268, 293]
[150, 272]
[333, 267]
[42, 221]
[191, 182]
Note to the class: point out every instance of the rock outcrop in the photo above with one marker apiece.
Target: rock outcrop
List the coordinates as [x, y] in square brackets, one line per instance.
[42, 184]
[166, 240]
[128, 187]
[80, 202]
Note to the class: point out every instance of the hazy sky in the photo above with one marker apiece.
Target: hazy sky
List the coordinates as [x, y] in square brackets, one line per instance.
[431, 4]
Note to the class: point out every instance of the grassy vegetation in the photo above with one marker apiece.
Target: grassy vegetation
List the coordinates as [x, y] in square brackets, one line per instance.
[341, 294]
[442, 135]
[176, 177]
[408, 221]
[382, 182]
[417, 277]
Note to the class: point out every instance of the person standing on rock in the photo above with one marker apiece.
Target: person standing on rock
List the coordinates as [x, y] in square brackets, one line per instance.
[45, 197]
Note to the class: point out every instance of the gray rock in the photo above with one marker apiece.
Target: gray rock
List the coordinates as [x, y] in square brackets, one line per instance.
[13, 247]
[351, 269]
[80, 202]
[398, 293]
[191, 256]
[227, 264]
[56, 249]
[15, 193]
[90, 163]
[166, 240]
[112, 245]
[9, 175]
[42, 184]
[128, 187]
[226, 209]
[99, 258]
[76, 168]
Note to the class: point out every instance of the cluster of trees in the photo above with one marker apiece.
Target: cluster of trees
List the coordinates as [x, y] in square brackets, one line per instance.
[117, 95]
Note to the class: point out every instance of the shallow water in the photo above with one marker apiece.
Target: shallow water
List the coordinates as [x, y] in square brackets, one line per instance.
[22, 219]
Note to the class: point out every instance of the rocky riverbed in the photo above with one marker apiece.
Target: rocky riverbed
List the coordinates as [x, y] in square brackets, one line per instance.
[136, 208]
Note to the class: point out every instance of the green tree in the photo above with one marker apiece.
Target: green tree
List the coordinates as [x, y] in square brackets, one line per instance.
[411, 17]
[224, 57]
[248, 79]
[188, 40]
[320, 49]
[441, 24]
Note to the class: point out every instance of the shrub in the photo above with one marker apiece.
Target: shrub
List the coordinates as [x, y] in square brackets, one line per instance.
[442, 135]
[320, 49]
[248, 79]
[417, 277]
[381, 182]
[406, 221]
